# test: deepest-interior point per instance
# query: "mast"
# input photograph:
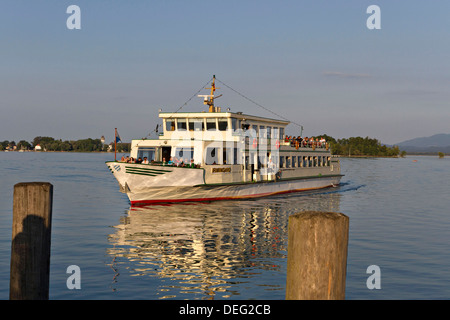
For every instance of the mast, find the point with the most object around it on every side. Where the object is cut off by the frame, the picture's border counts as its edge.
(115, 143)
(208, 99)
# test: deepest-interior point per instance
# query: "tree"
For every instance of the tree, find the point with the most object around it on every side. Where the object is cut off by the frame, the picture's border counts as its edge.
(359, 146)
(4, 144)
(24, 145)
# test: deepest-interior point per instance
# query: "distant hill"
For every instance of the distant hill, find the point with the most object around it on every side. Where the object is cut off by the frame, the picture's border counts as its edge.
(433, 144)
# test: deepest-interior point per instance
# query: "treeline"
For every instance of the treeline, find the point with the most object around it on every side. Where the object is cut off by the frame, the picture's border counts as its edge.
(51, 144)
(354, 146)
(358, 146)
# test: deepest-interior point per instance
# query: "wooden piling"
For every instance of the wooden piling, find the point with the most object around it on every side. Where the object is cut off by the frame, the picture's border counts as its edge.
(31, 238)
(317, 256)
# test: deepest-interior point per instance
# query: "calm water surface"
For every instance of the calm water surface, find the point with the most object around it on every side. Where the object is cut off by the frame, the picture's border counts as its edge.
(399, 220)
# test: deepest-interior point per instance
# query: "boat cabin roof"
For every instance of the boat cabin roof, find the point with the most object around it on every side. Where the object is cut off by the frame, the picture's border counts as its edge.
(235, 115)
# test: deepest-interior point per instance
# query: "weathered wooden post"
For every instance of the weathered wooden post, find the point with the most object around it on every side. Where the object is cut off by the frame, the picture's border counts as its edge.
(31, 237)
(317, 256)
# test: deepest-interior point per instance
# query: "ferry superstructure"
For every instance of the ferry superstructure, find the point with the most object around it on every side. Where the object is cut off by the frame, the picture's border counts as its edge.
(216, 155)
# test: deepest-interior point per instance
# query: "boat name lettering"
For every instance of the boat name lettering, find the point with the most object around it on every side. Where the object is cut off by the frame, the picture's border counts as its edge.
(217, 170)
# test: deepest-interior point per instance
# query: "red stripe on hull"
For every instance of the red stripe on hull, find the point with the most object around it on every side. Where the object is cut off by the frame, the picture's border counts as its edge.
(259, 195)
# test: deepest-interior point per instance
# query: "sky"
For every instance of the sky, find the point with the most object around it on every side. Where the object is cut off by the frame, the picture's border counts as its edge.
(313, 62)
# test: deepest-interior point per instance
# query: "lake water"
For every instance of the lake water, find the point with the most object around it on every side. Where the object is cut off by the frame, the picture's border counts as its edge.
(399, 221)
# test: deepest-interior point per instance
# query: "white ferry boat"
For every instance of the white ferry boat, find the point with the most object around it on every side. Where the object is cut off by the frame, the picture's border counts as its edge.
(216, 155)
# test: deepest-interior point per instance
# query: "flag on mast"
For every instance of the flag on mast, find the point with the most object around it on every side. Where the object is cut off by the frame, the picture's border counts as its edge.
(116, 139)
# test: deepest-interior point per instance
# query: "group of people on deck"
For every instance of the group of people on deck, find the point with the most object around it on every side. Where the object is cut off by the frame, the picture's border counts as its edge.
(306, 142)
(128, 159)
(174, 161)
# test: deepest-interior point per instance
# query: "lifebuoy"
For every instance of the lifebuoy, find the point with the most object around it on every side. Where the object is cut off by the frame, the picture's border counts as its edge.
(277, 144)
(255, 143)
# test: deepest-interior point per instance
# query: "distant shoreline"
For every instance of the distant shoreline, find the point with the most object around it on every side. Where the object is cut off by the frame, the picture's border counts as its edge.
(433, 154)
(33, 151)
(406, 155)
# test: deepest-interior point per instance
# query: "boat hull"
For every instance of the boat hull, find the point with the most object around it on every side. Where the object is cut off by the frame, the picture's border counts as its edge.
(230, 191)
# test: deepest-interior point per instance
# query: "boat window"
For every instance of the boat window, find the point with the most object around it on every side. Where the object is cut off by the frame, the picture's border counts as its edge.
(196, 124)
(146, 152)
(255, 128)
(184, 154)
(274, 133)
(262, 132)
(181, 124)
(170, 124)
(281, 133)
(269, 132)
(233, 124)
(236, 160)
(294, 161)
(210, 124)
(282, 164)
(288, 162)
(212, 155)
(223, 124)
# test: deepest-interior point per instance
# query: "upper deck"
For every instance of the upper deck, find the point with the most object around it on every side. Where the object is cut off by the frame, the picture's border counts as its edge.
(218, 126)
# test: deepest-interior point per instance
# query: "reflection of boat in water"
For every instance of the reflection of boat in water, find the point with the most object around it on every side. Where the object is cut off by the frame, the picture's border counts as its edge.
(208, 250)
(217, 155)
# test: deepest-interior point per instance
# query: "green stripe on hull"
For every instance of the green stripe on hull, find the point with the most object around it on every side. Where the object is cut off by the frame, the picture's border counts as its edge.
(142, 174)
(144, 171)
(147, 170)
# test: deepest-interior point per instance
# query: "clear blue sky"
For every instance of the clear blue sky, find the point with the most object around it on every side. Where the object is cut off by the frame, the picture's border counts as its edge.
(314, 62)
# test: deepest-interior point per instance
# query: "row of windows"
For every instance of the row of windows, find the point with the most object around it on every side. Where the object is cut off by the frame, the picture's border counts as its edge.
(304, 161)
(221, 124)
(196, 124)
(232, 155)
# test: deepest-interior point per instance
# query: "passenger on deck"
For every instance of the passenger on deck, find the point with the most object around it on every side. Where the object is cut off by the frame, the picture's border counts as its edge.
(170, 161)
(305, 142)
(145, 161)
